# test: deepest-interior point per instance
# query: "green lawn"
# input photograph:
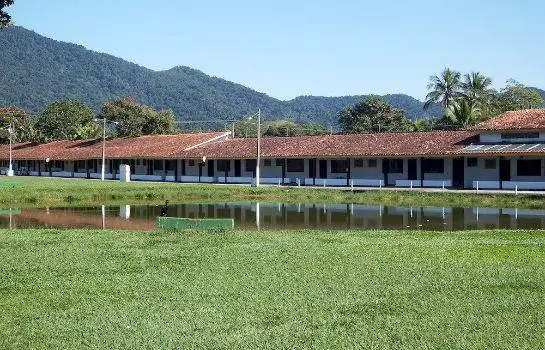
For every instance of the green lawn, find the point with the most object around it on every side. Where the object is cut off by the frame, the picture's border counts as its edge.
(301, 289)
(35, 191)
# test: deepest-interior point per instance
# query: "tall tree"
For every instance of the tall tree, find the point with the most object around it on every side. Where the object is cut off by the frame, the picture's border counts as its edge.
(476, 87)
(23, 126)
(372, 115)
(135, 119)
(444, 88)
(5, 18)
(67, 120)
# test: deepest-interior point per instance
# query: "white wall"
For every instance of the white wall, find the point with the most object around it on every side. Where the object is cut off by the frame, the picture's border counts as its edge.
(479, 173)
(366, 172)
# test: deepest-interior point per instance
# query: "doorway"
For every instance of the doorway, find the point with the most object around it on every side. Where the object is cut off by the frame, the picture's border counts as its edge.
(458, 172)
(323, 169)
(411, 170)
(210, 167)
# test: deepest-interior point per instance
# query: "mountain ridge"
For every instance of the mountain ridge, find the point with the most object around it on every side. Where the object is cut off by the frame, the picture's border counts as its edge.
(38, 70)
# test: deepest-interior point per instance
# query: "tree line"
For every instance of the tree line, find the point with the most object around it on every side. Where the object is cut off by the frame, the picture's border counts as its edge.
(465, 101)
(72, 120)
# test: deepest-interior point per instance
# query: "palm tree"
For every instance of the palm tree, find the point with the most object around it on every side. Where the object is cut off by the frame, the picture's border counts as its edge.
(463, 113)
(444, 88)
(476, 87)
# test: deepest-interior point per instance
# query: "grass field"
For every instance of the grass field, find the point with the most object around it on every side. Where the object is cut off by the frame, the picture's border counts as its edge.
(35, 191)
(305, 289)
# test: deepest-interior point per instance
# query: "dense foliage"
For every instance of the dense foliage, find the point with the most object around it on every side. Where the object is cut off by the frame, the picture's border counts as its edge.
(5, 18)
(38, 71)
(372, 115)
(67, 120)
(134, 119)
(16, 119)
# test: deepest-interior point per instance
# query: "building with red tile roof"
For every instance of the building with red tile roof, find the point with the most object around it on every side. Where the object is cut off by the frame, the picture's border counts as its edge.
(505, 152)
(526, 119)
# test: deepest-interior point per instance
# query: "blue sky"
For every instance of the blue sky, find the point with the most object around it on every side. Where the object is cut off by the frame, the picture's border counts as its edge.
(292, 48)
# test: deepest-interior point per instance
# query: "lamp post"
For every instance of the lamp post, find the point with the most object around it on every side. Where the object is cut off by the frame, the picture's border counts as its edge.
(104, 121)
(10, 170)
(257, 168)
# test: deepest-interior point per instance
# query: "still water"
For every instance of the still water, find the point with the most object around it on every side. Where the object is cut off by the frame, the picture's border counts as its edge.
(279, 216)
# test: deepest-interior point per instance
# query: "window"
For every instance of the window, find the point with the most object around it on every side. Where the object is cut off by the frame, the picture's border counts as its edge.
(144, 162)
(224, 165)
(250, 165)
(395, 166)
(191, 162)
(296, 165)
(138, 162)
(170, 164)
(267, 162)
(433, 166)
(338, 166)
(520, 135)
(529, 167)
(358, 163)
(279, 162)
(158, 164)
(490, 164)
(372, 163)
(471, 162)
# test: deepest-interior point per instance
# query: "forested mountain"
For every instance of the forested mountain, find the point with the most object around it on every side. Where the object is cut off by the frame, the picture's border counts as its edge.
(36, 70)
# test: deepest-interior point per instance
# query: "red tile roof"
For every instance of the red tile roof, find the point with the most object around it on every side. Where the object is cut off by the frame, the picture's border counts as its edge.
(527, 119)
(150, 146)
(379, 144)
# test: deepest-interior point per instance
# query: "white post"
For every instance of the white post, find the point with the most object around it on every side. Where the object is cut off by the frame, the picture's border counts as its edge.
(516, 189)
(380, 183)
(257, 216)
(10, 170)
(352, 185)
(477, 186)
(443, 185)
(257, 172)
(411, 184)
(103, 149)
(103, 217)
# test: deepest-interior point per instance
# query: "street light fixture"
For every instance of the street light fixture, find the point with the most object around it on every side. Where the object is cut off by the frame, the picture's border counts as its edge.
(104, 121)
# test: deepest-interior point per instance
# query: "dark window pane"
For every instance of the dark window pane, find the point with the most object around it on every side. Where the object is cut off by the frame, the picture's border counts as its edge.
(529, 167)
(520, 135)
(471, 162)
(224, 165)
(433, 166)
(338, 166)
(250, 165)
(395, 166)
(296, 165)
(490, 164)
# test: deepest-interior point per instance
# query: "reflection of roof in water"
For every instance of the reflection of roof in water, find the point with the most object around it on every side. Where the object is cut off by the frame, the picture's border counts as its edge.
(73, 218)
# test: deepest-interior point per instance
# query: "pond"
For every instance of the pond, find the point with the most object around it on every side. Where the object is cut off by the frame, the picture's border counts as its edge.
(278, 216)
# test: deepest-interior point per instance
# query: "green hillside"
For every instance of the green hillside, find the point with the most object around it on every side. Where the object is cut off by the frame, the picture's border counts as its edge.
(37, 70)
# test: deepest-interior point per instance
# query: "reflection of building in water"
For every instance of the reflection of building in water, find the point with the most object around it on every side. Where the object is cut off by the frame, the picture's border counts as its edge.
(284, 216)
